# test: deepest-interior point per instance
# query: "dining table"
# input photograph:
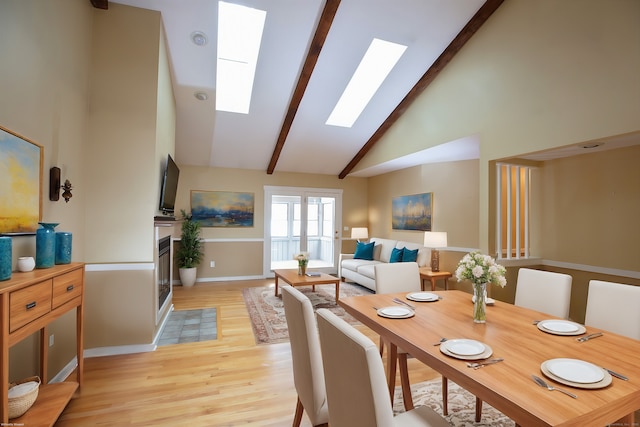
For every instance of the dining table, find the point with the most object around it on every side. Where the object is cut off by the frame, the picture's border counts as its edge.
(516, 335)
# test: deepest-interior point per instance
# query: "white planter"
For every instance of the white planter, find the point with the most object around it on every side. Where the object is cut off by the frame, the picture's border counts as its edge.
(188, 276)
(26, 263)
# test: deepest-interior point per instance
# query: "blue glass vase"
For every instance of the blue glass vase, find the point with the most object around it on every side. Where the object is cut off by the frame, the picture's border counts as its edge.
(5, 258)
(45, 245)
(63, 247)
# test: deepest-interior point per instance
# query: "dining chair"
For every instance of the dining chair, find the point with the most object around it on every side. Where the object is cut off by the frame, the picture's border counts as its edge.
(539, 290)
(544, 291)
(355, 380)
(390, 278)
(614, 307)
(308, 375)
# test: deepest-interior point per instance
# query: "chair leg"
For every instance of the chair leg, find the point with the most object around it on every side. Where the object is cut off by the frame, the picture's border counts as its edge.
(392, 358)
(478, 409)
(297, 419)
(381, 346)
(445, 396)
(404, 380)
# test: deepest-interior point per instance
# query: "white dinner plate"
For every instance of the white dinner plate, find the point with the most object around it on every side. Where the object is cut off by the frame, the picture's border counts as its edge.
(422, 296)
(464, 347)
(561, 327)
(606, 380)
(488, 351)
(487, 300)
(396, 312)
(575, 371)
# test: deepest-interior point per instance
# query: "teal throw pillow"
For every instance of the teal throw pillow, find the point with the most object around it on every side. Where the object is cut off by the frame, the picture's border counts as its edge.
(396, 255)
(364, 251)
(409, 256)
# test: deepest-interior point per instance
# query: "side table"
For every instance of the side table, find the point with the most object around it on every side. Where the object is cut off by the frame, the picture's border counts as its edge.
(433, 276)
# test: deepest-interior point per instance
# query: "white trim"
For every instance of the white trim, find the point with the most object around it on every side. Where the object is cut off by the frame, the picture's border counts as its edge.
(65, 371)
(118, 350)
(120, 267)
(164, 322)
(593, 269)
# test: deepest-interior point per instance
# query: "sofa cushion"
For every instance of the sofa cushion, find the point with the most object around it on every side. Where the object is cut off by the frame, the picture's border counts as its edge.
(386, 246)
(409, 255)
(364, 251)
(354, 264)
(368, 270)
(396, 255)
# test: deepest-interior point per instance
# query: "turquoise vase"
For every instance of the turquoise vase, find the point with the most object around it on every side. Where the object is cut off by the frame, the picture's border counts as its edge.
(63, 247)
(5, 258)
(45, 245)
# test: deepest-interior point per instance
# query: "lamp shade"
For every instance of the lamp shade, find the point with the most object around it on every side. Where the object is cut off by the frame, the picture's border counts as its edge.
(435, 239)
(359, 233)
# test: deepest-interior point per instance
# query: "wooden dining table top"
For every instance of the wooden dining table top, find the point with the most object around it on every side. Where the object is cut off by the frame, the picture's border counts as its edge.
(511, 334)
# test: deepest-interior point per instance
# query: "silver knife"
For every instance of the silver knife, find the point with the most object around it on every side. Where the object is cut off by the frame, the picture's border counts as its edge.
(617, 375)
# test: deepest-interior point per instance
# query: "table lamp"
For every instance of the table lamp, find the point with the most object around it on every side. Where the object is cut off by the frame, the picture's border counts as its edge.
(360, 233)
(434, 240)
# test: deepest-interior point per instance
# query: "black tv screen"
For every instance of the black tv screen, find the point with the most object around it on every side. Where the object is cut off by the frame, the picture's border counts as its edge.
(169, 187)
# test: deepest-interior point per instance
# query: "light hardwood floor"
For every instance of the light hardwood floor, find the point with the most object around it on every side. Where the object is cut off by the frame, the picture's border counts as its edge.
(227, 382)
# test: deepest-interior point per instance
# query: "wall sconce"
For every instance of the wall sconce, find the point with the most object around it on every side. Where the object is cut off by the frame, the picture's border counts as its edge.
(433, 240)
(54, 186)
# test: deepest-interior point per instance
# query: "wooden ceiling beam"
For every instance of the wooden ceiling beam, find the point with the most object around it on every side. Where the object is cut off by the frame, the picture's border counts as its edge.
(326, 19)
(100, 4)
(447, 55)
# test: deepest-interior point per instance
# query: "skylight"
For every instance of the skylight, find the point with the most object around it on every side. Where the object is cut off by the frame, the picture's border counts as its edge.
(239, 36)
(375, 66)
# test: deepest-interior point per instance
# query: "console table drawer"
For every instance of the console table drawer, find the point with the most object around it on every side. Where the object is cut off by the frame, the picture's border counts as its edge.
(28, 304)
(66, 287)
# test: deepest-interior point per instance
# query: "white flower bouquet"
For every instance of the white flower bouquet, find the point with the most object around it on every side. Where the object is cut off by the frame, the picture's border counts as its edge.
(479, 268)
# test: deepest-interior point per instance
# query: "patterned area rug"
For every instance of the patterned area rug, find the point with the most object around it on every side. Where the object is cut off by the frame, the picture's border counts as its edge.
(462, 405)
(267, 311)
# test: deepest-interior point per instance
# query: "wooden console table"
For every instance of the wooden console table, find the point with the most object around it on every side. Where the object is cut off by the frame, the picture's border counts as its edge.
(28, 303)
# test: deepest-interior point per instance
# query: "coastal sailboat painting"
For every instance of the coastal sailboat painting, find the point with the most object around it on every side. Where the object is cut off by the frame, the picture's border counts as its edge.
(412, 212)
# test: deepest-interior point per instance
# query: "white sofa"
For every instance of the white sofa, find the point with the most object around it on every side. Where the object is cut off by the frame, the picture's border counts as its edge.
(362, 271)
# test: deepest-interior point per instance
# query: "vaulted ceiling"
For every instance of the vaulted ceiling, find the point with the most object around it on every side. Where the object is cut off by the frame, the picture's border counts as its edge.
(309, 51)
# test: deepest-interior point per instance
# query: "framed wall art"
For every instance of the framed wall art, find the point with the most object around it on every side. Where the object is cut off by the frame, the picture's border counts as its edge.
(222, 208)
(412, 212)
(21, 184)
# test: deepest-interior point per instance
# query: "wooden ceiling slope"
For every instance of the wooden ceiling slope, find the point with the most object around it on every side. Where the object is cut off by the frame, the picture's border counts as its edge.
(328, 13)
(447, 55)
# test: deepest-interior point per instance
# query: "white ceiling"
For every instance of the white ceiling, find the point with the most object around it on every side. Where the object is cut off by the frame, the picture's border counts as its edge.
(205, 137)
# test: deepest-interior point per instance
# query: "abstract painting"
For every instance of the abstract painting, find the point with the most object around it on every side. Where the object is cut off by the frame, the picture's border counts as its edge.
(21, 183)
(222, 208)
(412, 212)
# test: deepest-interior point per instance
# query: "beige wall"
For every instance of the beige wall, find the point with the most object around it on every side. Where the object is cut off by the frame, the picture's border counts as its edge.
(244, 259)
(538, 75)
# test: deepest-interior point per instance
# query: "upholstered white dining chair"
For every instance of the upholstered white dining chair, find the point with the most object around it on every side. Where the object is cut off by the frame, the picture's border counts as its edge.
(355, 380)
(308, 375)
(544, 291)
(614, 307)
(390, 278)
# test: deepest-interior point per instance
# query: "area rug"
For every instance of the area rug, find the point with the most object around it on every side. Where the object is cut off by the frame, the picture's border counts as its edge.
(190, 326)
(462, 405)
(267, 311)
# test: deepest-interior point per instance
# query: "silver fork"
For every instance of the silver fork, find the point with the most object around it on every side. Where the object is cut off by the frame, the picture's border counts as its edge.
(543, 383)
(478, 365)
(588, 337)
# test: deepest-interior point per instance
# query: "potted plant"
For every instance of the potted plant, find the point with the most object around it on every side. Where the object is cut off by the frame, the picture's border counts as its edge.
(190, 253)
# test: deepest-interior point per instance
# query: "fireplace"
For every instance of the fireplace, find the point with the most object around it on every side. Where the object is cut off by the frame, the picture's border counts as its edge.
(164, 271)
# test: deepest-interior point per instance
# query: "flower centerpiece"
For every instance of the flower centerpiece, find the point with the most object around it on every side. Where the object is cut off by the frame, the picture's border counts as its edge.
(480, 270)
(303, 260)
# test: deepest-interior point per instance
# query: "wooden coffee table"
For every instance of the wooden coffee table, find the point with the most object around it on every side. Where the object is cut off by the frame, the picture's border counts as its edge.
(291, 277)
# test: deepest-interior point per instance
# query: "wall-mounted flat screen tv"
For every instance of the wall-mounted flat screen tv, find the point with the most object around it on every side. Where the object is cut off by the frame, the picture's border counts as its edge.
(169, 187)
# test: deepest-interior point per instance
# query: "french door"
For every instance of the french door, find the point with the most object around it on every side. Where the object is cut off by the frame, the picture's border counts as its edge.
(302, 220)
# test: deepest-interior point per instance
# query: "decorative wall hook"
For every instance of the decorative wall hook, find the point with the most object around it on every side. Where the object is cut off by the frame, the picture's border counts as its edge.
(54, 186)
(66, 194)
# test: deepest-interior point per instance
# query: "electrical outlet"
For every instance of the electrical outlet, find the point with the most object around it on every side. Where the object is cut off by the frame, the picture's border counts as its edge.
(212, 264)
(51, 340)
